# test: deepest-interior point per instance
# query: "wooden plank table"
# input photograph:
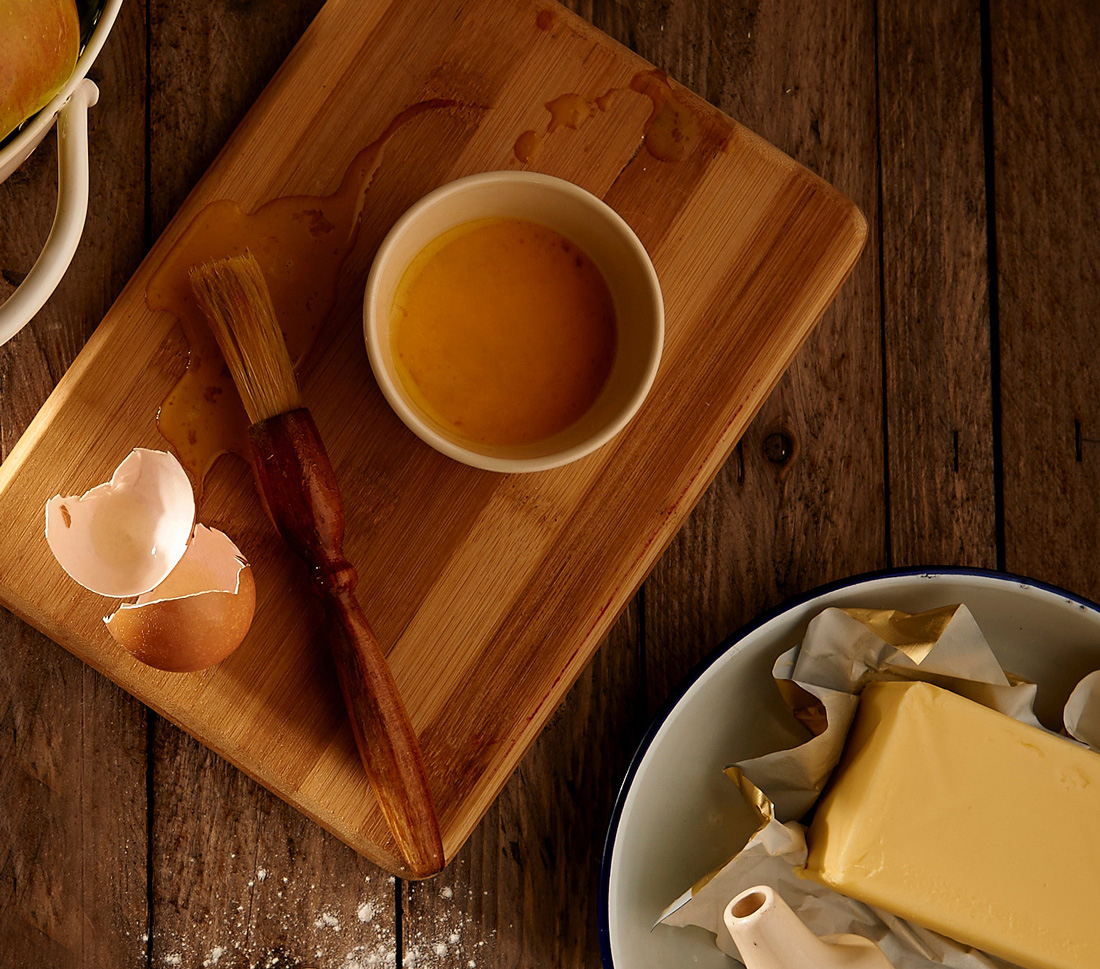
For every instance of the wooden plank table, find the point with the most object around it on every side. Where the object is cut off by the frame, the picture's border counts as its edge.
(944, 412)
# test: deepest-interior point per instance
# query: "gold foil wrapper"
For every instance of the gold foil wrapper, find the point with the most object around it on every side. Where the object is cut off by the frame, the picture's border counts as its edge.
(913, 633)
(756, 799)
(808, 710)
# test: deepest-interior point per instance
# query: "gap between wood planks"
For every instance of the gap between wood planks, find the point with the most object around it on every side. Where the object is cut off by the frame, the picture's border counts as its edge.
(986, 33)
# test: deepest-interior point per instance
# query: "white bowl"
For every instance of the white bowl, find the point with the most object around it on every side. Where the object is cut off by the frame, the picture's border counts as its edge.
(677, 816)
(70, 108)
(579, 216)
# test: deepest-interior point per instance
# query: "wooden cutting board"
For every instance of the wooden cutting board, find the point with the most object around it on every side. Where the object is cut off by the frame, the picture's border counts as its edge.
(489, 592)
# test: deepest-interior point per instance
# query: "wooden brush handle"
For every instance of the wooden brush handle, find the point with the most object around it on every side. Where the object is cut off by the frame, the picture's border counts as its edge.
(300, 491)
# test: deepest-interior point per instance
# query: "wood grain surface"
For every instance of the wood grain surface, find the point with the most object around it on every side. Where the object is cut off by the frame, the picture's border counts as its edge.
(972, 313)
(488, 592)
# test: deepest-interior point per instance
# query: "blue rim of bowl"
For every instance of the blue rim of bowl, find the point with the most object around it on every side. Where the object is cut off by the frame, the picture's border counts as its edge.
(603, 914)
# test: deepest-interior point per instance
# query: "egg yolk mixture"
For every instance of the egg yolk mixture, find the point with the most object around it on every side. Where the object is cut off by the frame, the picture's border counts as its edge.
(503, 332)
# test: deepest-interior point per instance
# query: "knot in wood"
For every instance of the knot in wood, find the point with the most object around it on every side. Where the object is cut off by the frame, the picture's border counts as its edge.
(779, 447)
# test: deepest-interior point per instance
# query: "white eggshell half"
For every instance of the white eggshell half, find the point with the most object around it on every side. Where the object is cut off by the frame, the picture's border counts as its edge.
(124, 537)
(195, 617)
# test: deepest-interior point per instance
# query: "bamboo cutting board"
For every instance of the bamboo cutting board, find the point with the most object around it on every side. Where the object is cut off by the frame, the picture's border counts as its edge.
(489, 592)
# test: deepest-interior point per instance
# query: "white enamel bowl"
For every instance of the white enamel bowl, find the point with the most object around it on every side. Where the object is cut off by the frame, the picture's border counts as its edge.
(677, 816)
(70, 109)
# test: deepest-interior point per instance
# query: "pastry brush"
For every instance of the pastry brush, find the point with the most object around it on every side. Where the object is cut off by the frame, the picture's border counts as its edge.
(300, 492)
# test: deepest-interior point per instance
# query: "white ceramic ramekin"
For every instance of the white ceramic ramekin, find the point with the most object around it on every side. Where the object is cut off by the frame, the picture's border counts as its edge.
(70, 108)
(579, 216)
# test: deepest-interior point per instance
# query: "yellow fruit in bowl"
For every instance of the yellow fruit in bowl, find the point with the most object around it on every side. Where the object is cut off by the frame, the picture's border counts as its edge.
(39, 43)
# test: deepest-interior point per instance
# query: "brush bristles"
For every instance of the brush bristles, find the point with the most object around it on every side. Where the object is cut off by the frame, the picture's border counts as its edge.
(233, 295)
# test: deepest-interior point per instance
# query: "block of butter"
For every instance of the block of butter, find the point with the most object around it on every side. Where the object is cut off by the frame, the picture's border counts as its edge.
(967, 822)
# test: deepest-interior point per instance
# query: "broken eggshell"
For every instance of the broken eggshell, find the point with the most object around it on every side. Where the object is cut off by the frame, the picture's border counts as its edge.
(136, 536)
(195, 617)
(122, 538)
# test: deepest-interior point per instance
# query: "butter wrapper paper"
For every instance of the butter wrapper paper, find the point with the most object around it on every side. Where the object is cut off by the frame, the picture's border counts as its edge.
(842, 651)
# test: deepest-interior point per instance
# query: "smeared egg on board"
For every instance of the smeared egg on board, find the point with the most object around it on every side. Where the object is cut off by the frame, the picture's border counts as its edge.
(136, 535)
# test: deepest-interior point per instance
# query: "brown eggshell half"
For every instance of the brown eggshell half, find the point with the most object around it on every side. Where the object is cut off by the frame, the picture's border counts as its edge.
(198, 615)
